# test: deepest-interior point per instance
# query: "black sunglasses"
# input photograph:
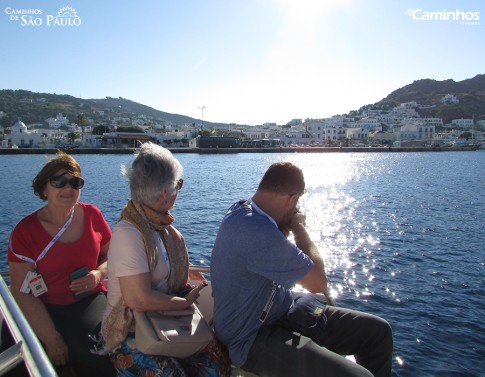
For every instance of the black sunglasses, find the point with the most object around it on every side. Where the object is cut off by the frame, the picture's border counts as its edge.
(59, 181)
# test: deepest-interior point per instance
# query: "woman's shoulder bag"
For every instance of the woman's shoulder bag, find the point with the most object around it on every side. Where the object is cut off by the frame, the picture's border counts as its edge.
(180, 333)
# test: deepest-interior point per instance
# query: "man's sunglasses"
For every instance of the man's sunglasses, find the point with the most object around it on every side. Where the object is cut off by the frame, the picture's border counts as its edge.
(59, 181)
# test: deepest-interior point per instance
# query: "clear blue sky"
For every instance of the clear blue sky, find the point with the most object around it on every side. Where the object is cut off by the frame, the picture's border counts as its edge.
(246, 61)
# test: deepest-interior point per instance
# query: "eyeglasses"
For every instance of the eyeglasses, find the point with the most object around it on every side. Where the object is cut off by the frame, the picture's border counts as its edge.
(180, 184)
(59, 181)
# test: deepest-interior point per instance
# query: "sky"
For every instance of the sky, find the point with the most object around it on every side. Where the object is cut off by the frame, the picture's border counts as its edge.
(239, 61)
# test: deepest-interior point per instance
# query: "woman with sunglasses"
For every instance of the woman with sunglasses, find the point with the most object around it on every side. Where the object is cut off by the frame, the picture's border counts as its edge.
(149, 269)
(58, 261)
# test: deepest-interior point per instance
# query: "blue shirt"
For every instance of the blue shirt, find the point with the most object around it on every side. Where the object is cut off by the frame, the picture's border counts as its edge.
(249, 254)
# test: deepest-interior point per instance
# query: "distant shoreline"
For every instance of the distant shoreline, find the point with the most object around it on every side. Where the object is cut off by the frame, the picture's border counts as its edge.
(11, 151)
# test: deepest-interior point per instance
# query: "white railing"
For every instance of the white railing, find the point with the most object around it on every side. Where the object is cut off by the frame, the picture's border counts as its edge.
(27, 348)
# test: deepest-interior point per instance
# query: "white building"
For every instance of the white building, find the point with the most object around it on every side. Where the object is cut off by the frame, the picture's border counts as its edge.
(335, 134)
(257, 133)
(449, 99)
(462, 123)
(316, 127)
(369, 123)
(416, 131)
(436, 122)
(58, 121)
(20, 136)
(358, 133)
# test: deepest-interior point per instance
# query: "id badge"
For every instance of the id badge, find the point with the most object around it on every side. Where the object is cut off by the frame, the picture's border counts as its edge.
(25, 288)
(38, 286)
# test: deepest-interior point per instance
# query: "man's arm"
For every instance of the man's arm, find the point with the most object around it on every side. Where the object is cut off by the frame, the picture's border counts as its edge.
(316, 279)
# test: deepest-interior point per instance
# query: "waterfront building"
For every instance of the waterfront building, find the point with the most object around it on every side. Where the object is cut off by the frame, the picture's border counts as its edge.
(416, 130)
(216, 142)
(19, 135)
(315, 130)
(257, 133)
(359, 134)
(380, 137)
(123, 139)
(335, 135)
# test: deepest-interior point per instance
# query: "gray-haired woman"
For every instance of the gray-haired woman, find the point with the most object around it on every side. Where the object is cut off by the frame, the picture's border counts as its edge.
(147, 265)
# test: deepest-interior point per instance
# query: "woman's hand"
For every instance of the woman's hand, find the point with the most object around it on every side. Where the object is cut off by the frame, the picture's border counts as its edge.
(57, 350)
(86, 283)
(194, 294)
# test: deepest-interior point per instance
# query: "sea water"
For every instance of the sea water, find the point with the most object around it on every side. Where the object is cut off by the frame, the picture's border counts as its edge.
(402, 234)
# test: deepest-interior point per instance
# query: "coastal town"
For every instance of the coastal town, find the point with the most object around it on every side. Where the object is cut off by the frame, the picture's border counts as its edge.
(400, 126)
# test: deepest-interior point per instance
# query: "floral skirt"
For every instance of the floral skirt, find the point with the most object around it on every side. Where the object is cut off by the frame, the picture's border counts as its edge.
(212, 361)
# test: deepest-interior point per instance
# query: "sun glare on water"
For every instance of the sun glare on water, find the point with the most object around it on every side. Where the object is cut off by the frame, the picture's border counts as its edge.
(330, 208)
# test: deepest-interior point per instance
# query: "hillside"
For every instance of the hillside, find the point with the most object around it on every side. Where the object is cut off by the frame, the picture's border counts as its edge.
(33, 107)
(470, 92)
(137, 108)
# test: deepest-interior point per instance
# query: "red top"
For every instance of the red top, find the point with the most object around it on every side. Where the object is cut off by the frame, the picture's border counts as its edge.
(29, 238)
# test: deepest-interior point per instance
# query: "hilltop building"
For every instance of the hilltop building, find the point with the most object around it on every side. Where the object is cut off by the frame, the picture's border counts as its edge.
(449, 99)
(58, 121)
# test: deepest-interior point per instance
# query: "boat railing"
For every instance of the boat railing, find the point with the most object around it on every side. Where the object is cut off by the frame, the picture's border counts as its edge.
(27, 347)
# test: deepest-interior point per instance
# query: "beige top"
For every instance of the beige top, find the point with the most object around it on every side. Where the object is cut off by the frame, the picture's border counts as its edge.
(127, 257)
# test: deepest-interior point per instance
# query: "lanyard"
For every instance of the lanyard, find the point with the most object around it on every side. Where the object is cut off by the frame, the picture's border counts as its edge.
(49, 245)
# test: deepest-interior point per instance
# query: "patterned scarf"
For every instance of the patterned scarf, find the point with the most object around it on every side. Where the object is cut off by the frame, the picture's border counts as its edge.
(116, 325)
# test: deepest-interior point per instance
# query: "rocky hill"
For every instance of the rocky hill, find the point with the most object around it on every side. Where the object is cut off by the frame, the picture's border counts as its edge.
(470, 92)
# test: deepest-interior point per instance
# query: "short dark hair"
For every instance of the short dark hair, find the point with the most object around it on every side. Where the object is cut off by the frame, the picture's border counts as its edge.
(283, 178)
(62, 161)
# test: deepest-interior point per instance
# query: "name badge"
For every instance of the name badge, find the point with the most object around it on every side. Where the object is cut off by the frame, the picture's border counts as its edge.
(37, 285)
(25, 288)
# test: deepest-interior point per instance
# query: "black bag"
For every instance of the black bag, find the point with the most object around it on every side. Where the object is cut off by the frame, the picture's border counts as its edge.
(306, 316)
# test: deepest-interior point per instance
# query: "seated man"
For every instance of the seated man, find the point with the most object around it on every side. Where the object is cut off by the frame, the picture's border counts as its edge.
(254, 266)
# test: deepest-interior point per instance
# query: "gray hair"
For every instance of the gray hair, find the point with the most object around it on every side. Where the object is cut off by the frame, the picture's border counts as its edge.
(153, 170)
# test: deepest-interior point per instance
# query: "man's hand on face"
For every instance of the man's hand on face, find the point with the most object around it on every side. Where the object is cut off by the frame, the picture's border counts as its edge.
(297, 218)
